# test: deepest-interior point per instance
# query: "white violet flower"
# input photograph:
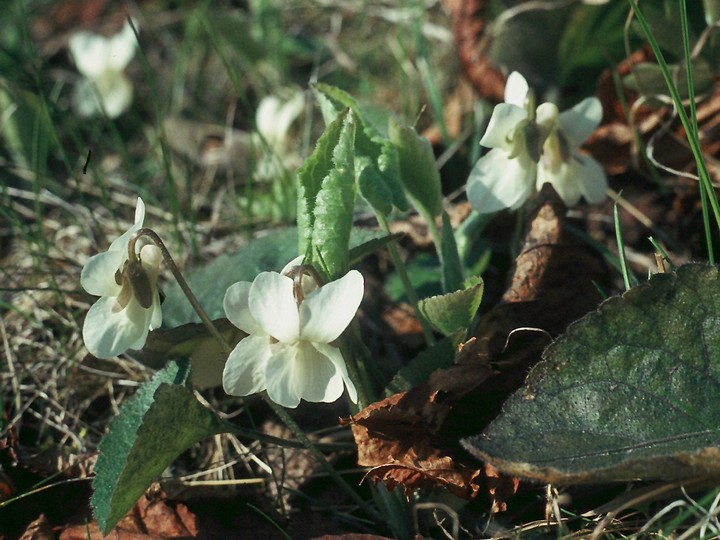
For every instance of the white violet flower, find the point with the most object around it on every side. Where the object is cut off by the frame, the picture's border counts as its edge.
(530, 147)
(101, 61)
(274, 118)
(289, 350)
(130, 302)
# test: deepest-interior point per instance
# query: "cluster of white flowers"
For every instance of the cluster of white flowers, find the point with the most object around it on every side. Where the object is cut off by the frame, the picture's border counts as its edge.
(292, 322)
(530, 147)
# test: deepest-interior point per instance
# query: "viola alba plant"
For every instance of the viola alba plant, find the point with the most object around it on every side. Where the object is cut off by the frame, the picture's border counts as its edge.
(291, 325)
(129, 306)
(530, 147)
(101, 61)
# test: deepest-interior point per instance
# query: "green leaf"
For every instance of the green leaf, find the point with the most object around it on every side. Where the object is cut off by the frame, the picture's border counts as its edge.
(453, 311)
(629, 391)
(418, 172)
(332, 215)
(451, 264)
(647, 78)
(209, 282)
(333, 101)
(372, 185)
(371, 246)
(376, 157)
(439, 356)
(193, 341)
(591, 35)
(311, 176)
(423, 271)
(25, 126)
(664, 20)
(162, 420)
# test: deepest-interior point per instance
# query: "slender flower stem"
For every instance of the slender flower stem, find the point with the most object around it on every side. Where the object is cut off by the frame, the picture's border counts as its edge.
(320, 457)
(407, 286)
(145, 231)
(349, 350)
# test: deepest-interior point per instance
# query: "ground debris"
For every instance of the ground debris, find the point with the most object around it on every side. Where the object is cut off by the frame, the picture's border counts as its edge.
(410, 438)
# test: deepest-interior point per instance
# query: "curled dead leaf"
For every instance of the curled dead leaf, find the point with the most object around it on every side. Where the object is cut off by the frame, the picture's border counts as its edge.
(410, 438)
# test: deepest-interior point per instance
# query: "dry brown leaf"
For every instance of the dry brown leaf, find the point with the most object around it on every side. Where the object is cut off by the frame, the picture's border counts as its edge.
(410, 439)
(39, 529)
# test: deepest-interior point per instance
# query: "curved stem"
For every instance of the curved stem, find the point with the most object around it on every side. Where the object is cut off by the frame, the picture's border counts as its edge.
(181, 281)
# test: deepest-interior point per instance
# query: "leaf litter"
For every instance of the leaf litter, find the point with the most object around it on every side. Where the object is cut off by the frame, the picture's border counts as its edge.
(410, 438)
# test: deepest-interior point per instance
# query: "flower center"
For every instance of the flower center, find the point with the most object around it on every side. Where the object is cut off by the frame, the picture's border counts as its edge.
(135, 284)
(556, 150)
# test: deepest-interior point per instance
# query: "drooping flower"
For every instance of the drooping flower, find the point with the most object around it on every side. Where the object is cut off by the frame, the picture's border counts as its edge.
(274, 118)
(289, 350)
(572, 173)
(129, 306)
(101, 61)
(530, 147)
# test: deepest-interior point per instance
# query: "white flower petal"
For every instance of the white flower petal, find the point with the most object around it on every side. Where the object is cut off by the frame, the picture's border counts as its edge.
(591, 177)
(244, 372)
(297, 261)
(280, 376)
(327, 311)
(151, 257)
(579, 122)
(496, 182)
(516, 89)
(89, 52)
(121, 47)
(581, 176)
(566, 186)
(237, 310)
(98, 275)
(139, 211)
(116, 93)
(501, 128)
(546, 115)
(93, 54)
(333, 353)
(156, 316)
(140, 318)
(274, 118)
(316, 376)
(273, 306)
(108, 332)
(86, 99)
(122, 241)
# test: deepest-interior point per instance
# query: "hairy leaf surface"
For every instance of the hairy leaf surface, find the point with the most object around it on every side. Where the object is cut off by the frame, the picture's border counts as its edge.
(630, 391)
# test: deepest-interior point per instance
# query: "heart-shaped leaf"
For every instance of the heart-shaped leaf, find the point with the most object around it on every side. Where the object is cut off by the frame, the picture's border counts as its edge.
(453, 311)
(418, 171)
(630, 391)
